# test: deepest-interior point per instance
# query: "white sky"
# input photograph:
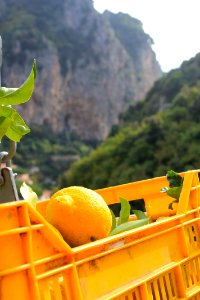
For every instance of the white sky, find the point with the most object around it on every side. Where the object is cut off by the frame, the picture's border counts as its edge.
(174, 26)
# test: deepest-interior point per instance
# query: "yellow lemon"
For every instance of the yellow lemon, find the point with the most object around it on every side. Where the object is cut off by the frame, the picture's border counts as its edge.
(80, 214)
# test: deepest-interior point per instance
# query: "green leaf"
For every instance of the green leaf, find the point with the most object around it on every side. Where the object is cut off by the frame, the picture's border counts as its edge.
(129, 225)
(174, 192)
(175, 186)
(174, 179)
(4, 124)
(14, 96)
(28, 194)
(114, 224)
(139, 214)
(11, 124)
(124, 212)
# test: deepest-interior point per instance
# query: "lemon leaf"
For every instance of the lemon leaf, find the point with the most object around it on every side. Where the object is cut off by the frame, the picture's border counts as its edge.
(124, 212)
(129, 225)
(174, 179)
(14, 96)
(139, 214)
(174, 192)
(11, 124)
(175, 185)
(28, 194)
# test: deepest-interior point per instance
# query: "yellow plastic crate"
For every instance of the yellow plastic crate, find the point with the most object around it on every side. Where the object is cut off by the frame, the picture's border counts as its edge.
(159, 261)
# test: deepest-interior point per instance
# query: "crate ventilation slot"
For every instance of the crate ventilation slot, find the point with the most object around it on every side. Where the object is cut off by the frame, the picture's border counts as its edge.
(163, 287)
(193, 237)
(131, 295)
(54, 289)
(191, 273)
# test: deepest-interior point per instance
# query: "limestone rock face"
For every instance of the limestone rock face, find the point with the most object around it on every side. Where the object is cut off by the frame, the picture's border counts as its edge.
(87, 72)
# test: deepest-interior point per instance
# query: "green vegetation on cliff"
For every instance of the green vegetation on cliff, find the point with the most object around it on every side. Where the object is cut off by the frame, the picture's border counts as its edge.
(35, 26)
(157, 134)
(44, 155)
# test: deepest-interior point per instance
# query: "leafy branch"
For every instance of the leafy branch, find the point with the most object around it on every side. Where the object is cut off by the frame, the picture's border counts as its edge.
(11, 123)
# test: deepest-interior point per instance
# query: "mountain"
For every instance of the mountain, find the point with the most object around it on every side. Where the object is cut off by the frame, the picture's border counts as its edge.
(155, 135)
(138, 44)
(91, 66)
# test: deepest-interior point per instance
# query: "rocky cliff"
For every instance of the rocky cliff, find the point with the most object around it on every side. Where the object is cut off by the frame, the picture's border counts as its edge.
(91, 67)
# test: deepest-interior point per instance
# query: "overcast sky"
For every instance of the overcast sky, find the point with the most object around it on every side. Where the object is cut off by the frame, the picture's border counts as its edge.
(174, 26)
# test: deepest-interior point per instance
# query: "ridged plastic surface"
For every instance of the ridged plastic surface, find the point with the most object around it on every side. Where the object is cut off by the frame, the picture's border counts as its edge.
(159, 261)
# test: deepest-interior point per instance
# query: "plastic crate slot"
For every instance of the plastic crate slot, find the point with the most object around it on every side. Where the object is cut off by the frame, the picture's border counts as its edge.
(193, 236)
(163, 287)
(54, 289)
(191, 272)
(198, 174)
(133, 294)
(135, 204)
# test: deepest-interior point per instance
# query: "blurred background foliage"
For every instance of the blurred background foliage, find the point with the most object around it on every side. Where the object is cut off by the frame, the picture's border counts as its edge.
(159, 133)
